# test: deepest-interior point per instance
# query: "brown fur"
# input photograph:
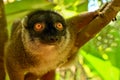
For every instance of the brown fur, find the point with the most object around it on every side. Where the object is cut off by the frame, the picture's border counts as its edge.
(36, 59)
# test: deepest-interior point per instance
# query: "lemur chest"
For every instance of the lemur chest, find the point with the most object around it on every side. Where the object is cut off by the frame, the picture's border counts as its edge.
(48, 59)
(51, 55)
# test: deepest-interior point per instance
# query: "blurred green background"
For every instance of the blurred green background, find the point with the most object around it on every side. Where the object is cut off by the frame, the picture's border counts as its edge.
(100, 57)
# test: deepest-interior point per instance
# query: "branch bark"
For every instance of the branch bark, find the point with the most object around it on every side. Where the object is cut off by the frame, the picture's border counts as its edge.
(98, 23)
(3, 38)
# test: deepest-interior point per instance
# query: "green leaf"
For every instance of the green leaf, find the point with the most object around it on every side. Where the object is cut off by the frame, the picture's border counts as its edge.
(66, 2)
(26, 5)
(103, 68)
(82, 7)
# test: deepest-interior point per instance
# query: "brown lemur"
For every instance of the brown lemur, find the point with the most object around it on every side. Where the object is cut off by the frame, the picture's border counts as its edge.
(40, 42)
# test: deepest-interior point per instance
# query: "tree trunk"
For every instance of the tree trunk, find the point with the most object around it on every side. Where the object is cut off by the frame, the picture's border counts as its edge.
(3, 38)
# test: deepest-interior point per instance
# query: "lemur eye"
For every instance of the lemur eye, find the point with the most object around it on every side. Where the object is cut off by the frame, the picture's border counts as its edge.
(59, 26)
(39, 26)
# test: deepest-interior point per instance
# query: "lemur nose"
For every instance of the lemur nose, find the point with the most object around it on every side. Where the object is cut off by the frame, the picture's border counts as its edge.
(54, 39)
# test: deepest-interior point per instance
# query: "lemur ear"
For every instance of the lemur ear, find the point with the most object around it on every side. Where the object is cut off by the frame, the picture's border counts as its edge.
(24, 21)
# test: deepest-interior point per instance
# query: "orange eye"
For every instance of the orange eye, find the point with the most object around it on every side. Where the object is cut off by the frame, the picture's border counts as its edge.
(39, 26)
(59, 26)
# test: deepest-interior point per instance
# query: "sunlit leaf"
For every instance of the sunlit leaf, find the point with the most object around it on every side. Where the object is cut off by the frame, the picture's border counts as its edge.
(104, 68)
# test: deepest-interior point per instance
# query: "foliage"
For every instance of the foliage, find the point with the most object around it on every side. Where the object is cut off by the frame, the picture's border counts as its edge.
(101, 55)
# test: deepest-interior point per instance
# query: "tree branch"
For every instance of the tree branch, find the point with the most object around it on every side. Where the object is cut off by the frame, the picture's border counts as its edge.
(98, 23)
(3, 38)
